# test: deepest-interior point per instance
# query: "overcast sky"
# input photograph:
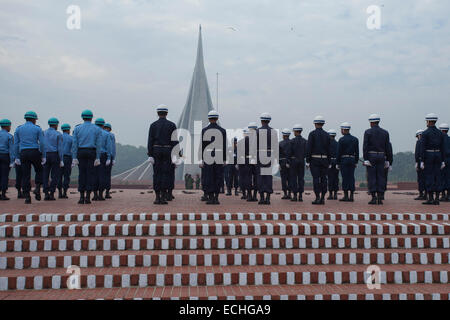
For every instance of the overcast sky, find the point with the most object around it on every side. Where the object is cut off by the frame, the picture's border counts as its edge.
(295, 59)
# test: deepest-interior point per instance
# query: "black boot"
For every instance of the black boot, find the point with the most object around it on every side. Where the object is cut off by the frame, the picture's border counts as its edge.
(244, 195)
(380, 197)
(210, 198)
(236, 193)
(19, 194)
(285, 197)
(255, 196)
(204, 197)
(374, 198)
(65, 194)
(216, 198)
(421, 196)
(322, 198)
(158, 198)
(352, 197)
(100, 195)
(60, 193)
(87, 200)
(27, 197)
(3, 197)
(261, 198)
(81, 201)
(52, 196)
(267, 200)
(164, 196)
(330, 197)
(300, 197)
(37, 192)
(335, 196)
(294, 198)
(171, 197)
(228, 192)
(95, 197)
(429, 199)
(447, 196)
(345, 198)
(436, 200)
(317, 201)
(47, 196)
(108, 194)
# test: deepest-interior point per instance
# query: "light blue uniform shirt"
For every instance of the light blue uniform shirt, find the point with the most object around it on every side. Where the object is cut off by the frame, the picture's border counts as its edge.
(54, 141)
(86, 135)
(29, 136)
(106, 144)
(67, 144)
(7, 144)
(113, 146)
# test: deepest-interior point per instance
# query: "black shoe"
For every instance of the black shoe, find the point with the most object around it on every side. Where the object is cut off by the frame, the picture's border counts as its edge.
(100, 196)
(352, 197)
(236, 193)
(381, 196)
(374, 199)
(261, 198)
(37, 194)
(204, 197)
(108, 195)
(300, 197)
(81, 201)
(430, 199)
(322, 198)
(228, 192)
(3, 196)
(52, 196)
(244, 195)
(317, 201)
(267, 201)
(158, 198)
(164, 197)
(436, 199)
(60, 194)
(65, 194)
(210, 199)
(294, 198)
(47, 196)
(95, 197)
(285, 196)
(330, 197)
(420, 197)
(335, 197)
(255, 196)
(27, 199)
(19, 194)
(345, 198)
(216, 199)
(87, 200)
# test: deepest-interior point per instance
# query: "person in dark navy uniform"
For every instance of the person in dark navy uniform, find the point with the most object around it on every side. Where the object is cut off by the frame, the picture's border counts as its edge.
(231, 170)
(160, 146)
(86, 151)
(285, 155)
(420, 173)
(376, 151)
(390, 159)
(213, 157)
(333, 172)
(6, 156)
(29, 143)
(265, 156)
(432, 153)
(318, 158)
(445, 189)
(347, 161)
(253, 162)
(66, 170)
(54, 150)
(243, 164)
(297, 164)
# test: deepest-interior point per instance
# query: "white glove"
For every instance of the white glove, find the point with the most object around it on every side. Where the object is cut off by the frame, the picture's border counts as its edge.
(179, 162)
(174, 159)
(152, 160)
(338, 167)
(422, 165)
(12, 165)
(417, 166)
(61, 164)
(367, 163)
(386, 164)
(307, 165)
(113, 162)
(329, 167)
(201, 165)
(44, 161)
(17, 162)
(442, 165)
(237, 167)
(288, 165)
(108, 162)
(96, 162)
(390, 168)
(74, 162)
(253, 161)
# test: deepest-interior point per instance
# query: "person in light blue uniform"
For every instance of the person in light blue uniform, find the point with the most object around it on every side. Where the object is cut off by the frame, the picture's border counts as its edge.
(6, 156)
(101, 171)
(86, 152)
(30, 150)
(54, 150)
(445, 189)
(66, 170)
(347, 161)
(432, 153)
(108, 128)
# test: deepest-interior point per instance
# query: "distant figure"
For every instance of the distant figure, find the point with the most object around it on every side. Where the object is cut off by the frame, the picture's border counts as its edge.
(420, 172)
(54, 150)
(108, 128)
(446, 171)
(253, 163)
(66, 170)
(333, 172)
(297, 164)
(197, 182)
(285, 154)
(264, 136)
(347, 161)
(232, 170)
(6, 156)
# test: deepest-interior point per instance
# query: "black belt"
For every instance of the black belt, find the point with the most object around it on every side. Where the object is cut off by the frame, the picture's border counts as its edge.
(347, 156)
(319, 156)
(166, 146)
(375, 152)
(433, 150)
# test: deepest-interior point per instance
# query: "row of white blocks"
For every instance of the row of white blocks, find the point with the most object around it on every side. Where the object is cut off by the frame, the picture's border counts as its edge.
(53, 217)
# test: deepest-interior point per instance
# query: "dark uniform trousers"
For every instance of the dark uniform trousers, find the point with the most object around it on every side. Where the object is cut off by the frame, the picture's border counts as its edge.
(254, 176)
(446, 175)
(421, 179)
(86, 178)
(28, 158)
(297, 176)
(172, 177)
(162, 176)
(65, 172)
(376, 174)
(231, 176)
(433, 161)
(19, 177)
(284, 173)
(51, 167)
(108, 176)
(244, 177)
(4, 171)
(264, 182)
(319, 169)
(101, 174)
(348, 174)
(333, 178)
(213, 177)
